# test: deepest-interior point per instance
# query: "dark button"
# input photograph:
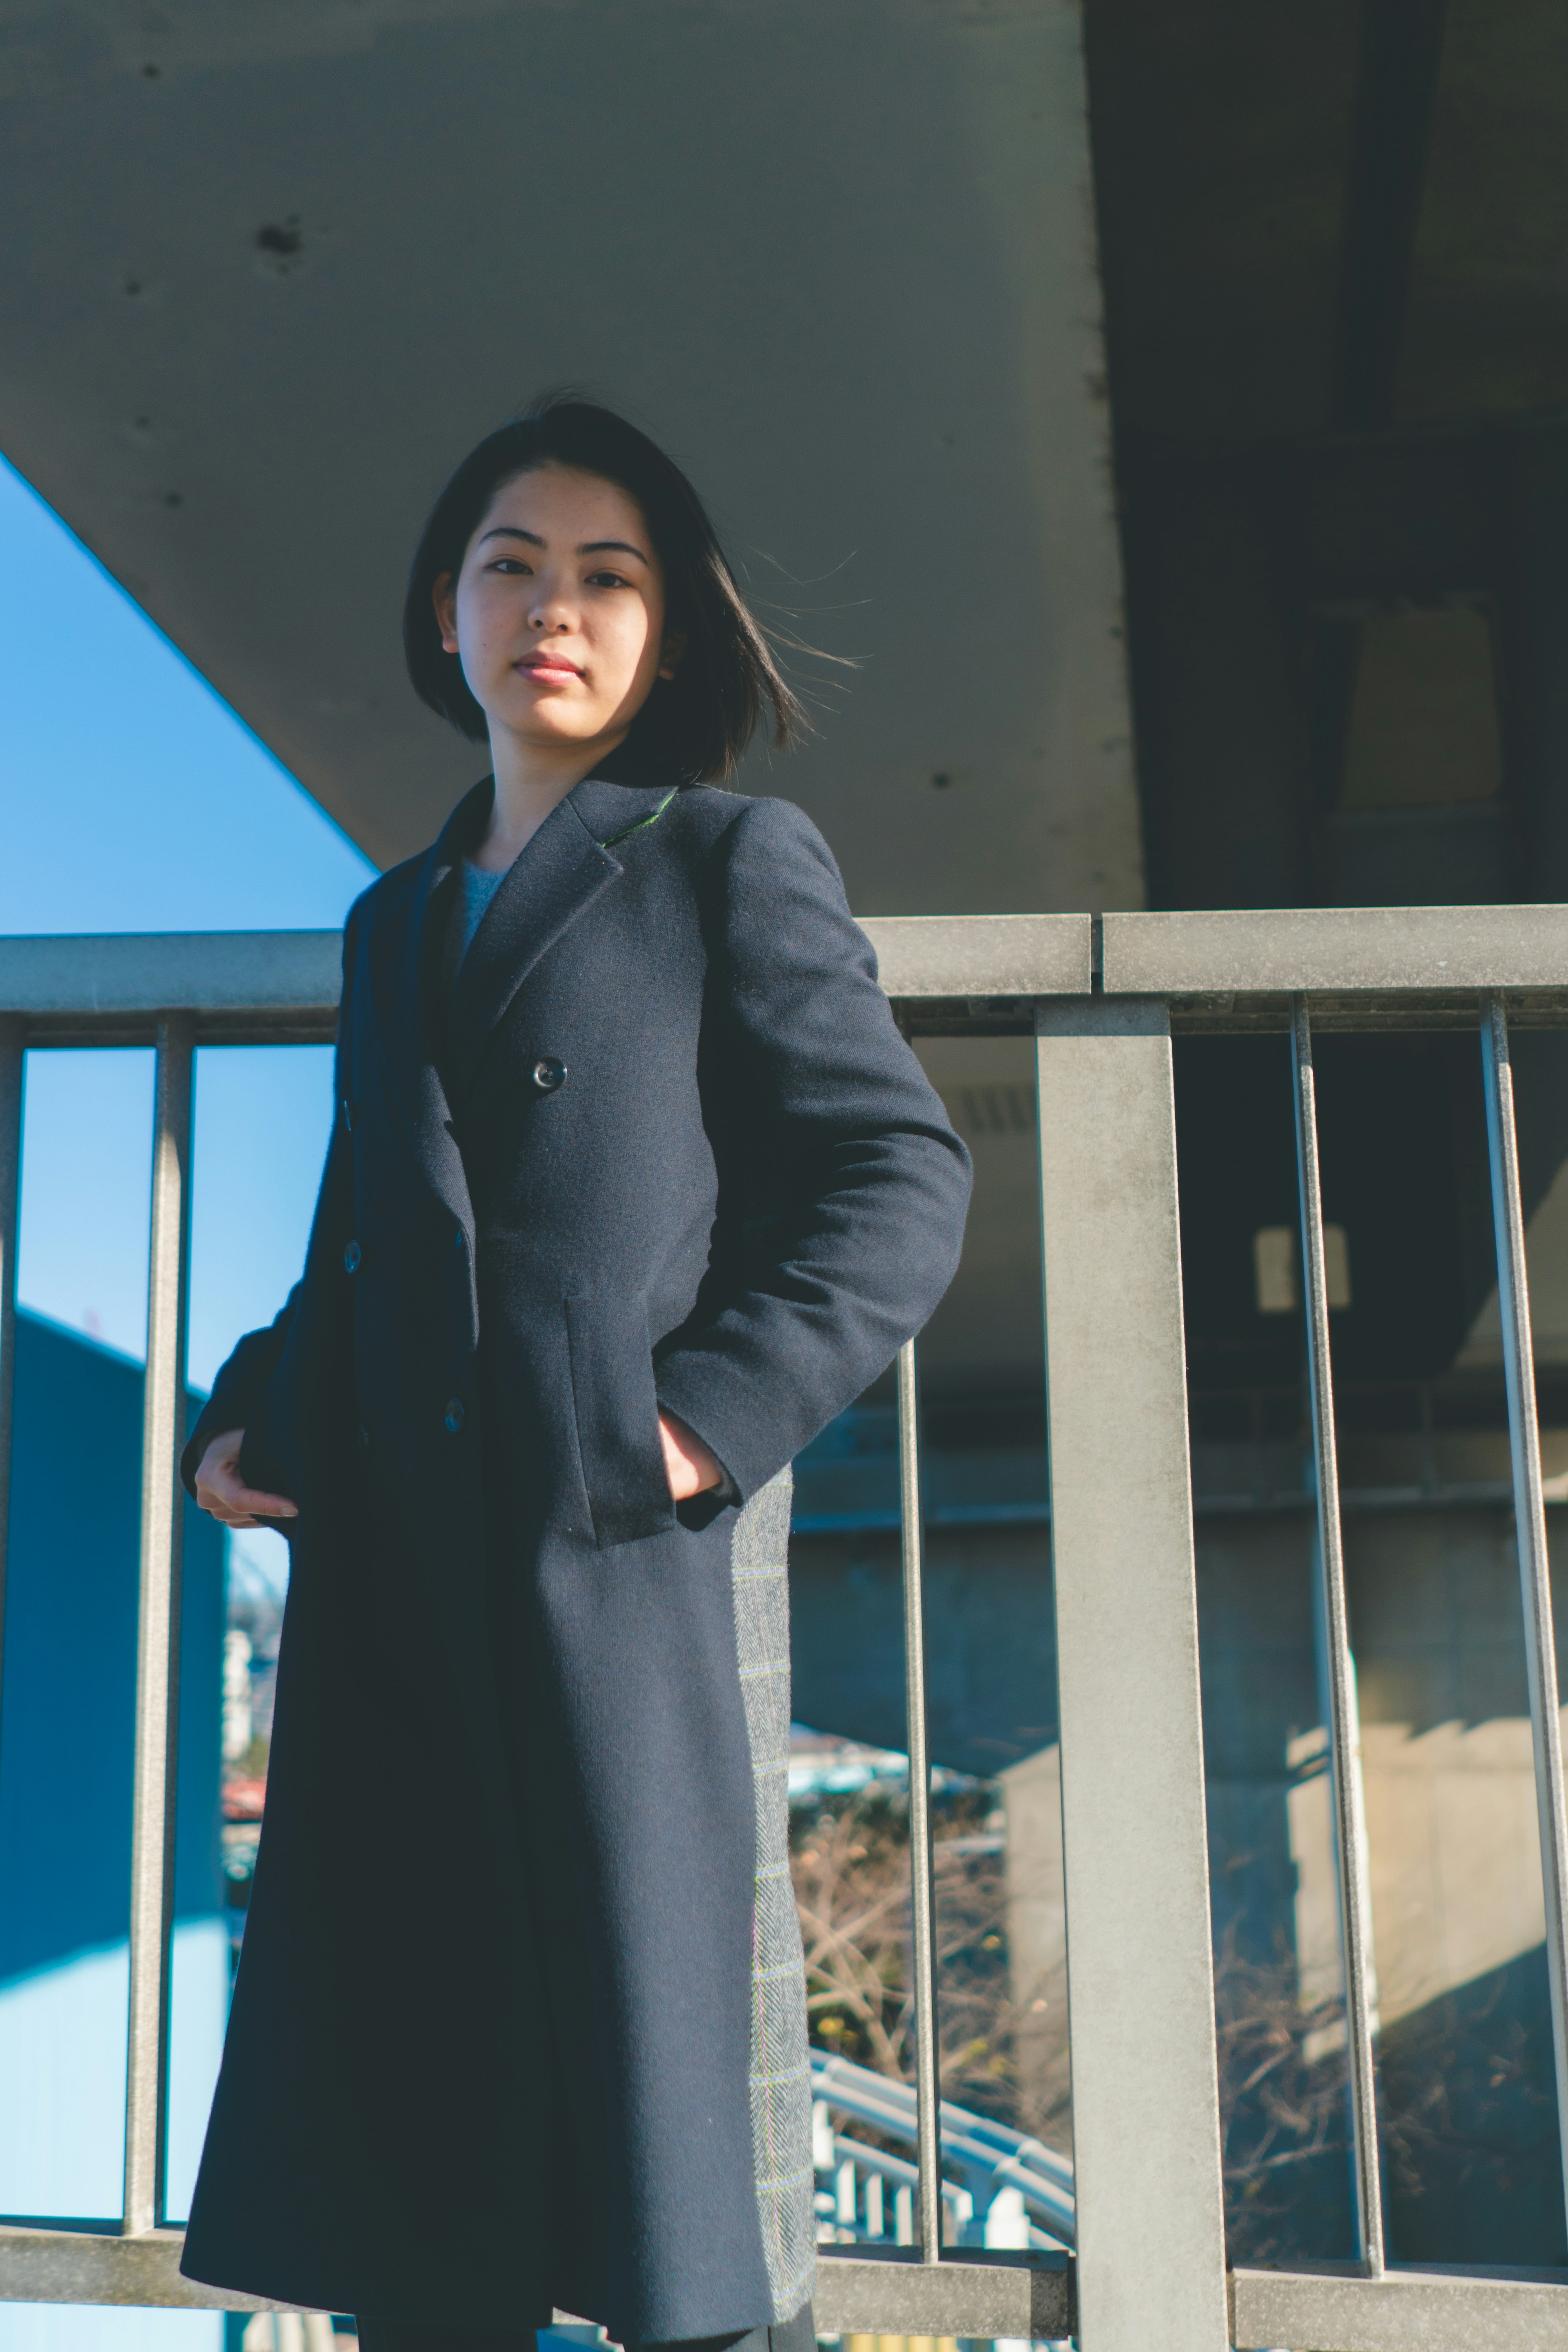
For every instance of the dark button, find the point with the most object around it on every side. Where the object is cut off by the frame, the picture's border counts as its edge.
(348, 1117)
(453, 1416)
(549, 1073)
(459, 1238)
(363, 1438)
(352, 1257)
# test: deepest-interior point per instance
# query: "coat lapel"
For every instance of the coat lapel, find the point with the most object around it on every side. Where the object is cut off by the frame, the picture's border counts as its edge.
(433, 1057)
(567, 864)
(401, 948)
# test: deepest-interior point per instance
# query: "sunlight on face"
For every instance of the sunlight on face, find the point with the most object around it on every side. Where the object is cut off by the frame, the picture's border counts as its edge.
(558, 613)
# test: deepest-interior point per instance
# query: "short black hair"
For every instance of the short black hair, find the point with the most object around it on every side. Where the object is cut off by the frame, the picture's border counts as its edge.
(697, 723)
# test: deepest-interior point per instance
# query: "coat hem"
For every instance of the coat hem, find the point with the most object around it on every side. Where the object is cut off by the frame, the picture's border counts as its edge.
(514, 2312)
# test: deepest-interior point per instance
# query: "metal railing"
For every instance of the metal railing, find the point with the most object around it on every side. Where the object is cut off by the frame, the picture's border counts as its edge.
(1101, 998)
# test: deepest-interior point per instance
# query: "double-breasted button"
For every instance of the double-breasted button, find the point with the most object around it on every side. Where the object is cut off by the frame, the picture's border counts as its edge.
(352, 1258)
(453, 1416)
(549, 1072)
(348, 1116)
(363, 1439)
(459, 1239)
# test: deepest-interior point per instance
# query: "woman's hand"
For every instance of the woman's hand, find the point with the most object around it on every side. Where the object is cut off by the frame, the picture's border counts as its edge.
(688, 1464)
(223, 1494)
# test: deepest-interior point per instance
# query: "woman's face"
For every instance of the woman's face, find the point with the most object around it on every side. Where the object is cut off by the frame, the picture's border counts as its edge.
(558, 612)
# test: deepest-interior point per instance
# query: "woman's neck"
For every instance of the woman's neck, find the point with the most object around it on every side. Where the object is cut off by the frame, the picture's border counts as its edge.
(532, 779)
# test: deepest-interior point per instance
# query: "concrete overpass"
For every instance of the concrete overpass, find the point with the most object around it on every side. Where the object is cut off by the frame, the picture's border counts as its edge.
(271, 272)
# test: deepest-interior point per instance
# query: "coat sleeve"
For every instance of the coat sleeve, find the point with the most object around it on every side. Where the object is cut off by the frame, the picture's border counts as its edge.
(237, 1387)
(872, 1213)
(237, 1392)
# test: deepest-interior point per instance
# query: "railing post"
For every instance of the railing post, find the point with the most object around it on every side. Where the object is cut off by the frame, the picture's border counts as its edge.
(158, 1632)
(12, 1035)
(922, 1890)
(1529, 1528)
(1151, 2229)
(1350, 1852)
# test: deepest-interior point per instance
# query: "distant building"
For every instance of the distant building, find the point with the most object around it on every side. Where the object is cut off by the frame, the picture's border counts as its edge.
(67, 1715)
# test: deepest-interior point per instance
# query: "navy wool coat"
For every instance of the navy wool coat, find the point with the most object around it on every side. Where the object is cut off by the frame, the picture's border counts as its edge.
(521, 2019)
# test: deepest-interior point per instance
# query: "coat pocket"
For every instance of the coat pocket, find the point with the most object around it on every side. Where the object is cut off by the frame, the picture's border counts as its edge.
(616, 1412)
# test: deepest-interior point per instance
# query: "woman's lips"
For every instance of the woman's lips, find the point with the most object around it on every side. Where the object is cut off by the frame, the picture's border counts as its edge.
(548, 671)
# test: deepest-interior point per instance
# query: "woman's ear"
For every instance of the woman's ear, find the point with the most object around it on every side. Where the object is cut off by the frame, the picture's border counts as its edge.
(670, 652)
(444, 596)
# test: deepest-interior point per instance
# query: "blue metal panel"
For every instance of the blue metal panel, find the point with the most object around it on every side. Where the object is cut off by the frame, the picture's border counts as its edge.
(66, 1723)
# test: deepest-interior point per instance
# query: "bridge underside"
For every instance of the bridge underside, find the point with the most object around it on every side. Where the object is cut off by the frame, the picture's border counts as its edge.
(270, 272)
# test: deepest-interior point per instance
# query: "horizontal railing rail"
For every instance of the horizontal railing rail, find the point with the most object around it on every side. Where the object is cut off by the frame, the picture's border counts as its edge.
(1408, 965)
(1101, 997)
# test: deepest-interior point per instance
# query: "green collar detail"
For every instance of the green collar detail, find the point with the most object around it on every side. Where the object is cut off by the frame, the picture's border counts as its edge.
(652, 818)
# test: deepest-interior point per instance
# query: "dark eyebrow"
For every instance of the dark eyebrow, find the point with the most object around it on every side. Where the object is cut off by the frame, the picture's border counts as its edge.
(589, 547)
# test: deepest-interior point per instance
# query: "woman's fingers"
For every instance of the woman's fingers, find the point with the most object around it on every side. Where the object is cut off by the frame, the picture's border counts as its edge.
(223, 1494)
(261, 1507)
(245, 1508)
(689, 1466)
(245, 1504)
(238, 1497)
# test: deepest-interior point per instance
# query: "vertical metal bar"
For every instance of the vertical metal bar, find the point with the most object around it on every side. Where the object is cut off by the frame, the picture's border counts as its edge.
(158, 1632)
(928, 2095)
(12, 1035)
(1146, 2150)
(1339, 1676)
(1530, 1526)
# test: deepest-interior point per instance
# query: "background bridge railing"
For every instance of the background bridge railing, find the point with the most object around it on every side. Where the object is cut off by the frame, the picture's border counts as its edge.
(1101, 997)
(1010, 2190)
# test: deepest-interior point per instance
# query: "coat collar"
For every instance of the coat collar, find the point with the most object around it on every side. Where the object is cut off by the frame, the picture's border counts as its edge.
(398, 954)
(570, 860)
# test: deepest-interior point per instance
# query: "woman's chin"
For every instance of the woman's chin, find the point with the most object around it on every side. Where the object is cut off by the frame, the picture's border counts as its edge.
(550, 725)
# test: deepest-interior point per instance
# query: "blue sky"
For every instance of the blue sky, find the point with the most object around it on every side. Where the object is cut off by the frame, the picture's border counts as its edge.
(132, 799)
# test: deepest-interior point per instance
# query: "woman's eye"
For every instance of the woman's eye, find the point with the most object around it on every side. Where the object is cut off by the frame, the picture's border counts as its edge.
(511, 563)
(606, 580)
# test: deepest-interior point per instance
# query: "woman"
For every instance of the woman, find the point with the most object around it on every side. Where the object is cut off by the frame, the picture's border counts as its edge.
(633, 1186)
